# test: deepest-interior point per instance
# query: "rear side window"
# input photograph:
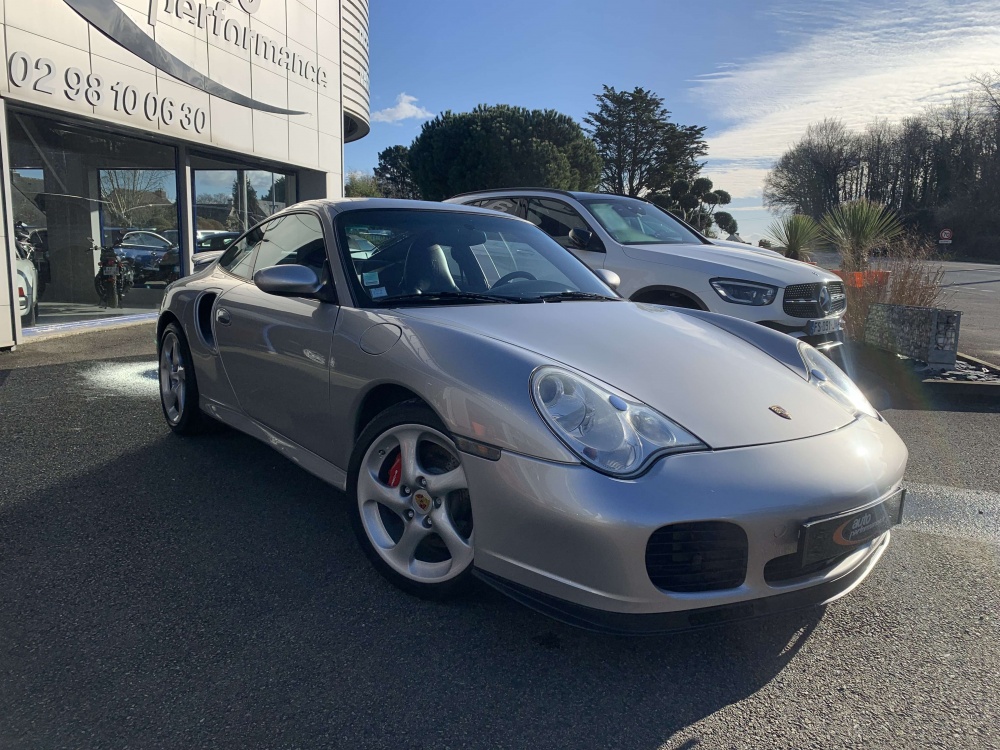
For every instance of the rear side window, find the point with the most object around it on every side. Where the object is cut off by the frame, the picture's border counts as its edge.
(555, 218)
(512, 206)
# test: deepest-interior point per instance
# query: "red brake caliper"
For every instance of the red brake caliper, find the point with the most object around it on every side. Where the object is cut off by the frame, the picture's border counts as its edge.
(396, 472)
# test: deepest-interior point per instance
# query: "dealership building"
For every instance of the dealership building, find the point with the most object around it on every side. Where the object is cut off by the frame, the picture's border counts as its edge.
(155, 125)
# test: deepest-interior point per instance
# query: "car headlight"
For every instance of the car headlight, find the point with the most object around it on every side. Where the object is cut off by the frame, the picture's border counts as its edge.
(744, 292)
(825, 375)
(609, 431)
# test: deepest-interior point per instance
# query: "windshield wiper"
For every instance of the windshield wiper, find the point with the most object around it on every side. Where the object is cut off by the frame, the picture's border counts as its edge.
(560, 296)
(433, 297)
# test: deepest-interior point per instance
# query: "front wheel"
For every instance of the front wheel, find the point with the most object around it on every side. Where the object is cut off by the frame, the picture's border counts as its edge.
(410, 504)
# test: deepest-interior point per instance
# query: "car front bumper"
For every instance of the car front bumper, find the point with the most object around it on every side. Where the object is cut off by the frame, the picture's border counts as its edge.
(572, 542)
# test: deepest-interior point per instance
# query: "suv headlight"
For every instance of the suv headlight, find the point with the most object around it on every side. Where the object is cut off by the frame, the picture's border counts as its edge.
(608, 431)
(744, 292)
(825, 375)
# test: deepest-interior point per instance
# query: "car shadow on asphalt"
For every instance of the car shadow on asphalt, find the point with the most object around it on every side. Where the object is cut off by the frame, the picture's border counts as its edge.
(207, 592)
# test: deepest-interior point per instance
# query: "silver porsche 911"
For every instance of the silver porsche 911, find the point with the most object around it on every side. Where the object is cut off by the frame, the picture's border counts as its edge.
(492, 408)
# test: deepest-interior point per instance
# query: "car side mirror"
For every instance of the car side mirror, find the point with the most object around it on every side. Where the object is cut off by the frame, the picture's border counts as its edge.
(610, 278)
(581, 238)
(288, 281)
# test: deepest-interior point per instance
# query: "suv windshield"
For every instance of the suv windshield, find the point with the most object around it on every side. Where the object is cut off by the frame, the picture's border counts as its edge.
(635, 222)
(402, 257)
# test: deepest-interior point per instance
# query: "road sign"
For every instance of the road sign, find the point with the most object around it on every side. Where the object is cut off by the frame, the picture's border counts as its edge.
(946, 235)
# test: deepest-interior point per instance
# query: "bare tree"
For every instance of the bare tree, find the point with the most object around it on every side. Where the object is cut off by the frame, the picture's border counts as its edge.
(134, 197)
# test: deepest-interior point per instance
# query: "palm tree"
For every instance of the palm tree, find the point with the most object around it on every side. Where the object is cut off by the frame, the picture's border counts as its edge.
(795, 235)
(856, 228)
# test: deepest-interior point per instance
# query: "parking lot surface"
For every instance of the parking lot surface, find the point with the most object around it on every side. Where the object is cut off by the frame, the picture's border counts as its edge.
(160, 592)
(974, 288)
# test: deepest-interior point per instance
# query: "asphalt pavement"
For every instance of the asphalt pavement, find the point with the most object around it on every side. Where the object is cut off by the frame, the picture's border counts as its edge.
(974, 288)
(159, 592)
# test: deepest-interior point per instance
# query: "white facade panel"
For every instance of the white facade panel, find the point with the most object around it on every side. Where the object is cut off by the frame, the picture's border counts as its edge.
(279, 84)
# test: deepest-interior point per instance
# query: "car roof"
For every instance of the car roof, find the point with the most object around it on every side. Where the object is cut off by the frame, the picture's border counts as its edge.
(342, 205)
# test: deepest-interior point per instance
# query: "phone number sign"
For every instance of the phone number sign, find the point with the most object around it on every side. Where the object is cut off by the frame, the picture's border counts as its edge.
(43, 76)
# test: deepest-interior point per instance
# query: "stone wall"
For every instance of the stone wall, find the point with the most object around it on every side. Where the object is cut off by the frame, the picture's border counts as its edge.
(928, 334)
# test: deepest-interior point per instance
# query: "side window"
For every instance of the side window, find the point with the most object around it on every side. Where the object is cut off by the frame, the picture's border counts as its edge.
(293, 239)
(555, 218)
(238, 259)
(507, 205)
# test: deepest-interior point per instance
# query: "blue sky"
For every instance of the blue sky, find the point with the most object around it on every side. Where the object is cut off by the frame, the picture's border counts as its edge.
(754, 73)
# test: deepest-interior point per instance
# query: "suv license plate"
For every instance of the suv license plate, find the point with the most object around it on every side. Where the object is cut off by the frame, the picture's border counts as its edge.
(826, 325)
(110, 271)
(826, 538)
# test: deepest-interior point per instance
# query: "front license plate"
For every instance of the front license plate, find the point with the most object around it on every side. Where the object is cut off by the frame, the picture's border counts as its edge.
(832, 536)
(826, 325)
(110, 271)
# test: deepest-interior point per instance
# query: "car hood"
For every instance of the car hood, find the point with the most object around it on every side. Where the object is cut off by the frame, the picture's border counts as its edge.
(711, 382)
(731, 263)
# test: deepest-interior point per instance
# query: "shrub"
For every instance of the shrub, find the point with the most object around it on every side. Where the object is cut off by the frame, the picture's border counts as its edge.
(856, 228)
(795, 235)
(914, 279)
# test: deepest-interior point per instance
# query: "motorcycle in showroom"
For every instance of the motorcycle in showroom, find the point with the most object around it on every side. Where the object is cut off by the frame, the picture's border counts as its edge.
(115, 276)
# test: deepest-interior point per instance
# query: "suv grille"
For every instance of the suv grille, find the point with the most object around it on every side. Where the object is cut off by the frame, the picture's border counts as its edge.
(701, 556)
(802, 300)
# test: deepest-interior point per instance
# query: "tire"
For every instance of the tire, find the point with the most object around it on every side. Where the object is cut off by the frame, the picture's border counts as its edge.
(111, 293)
(178, 383)
(31, 317)
(417, 532)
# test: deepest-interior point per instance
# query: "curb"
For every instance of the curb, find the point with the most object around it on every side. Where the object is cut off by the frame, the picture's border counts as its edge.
(60, 330)
(966, 388)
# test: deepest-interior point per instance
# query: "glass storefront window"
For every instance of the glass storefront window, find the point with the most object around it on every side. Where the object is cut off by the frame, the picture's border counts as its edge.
(83, 199)
(234, 197)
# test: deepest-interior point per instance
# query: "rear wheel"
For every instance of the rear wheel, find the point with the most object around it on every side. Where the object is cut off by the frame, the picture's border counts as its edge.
(31, 317)
(178, 384)
(410, 508)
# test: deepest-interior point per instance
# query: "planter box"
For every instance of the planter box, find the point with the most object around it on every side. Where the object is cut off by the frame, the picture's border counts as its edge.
(859, 279)
(928, 334)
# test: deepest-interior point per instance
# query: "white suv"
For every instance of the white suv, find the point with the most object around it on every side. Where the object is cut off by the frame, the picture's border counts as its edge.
(662, 260)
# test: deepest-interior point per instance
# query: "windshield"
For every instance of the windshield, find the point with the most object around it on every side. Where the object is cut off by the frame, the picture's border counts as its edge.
(411, 257)
(635, 222)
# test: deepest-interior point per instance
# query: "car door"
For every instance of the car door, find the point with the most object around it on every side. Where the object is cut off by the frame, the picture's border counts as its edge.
(557, 218)
(276, 350)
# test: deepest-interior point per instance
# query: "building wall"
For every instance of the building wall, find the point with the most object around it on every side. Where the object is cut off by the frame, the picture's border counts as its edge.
(281, 80)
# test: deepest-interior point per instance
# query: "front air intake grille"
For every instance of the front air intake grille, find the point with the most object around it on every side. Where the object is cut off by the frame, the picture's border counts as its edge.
(700, 556)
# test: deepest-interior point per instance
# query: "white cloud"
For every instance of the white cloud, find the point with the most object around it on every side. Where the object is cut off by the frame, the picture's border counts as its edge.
(856, 60)
(405, 108)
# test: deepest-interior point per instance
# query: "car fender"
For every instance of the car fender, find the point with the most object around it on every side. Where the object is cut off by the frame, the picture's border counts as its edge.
(478, 386)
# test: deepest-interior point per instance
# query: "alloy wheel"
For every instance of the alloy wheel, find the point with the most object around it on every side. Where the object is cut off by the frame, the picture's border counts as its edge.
(173, 378)
(413, 500)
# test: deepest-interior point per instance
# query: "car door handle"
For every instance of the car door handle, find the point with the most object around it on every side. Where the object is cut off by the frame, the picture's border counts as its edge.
(222, 316)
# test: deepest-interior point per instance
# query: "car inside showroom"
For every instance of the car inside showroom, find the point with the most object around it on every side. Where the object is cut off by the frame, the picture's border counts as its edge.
(133, 132)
